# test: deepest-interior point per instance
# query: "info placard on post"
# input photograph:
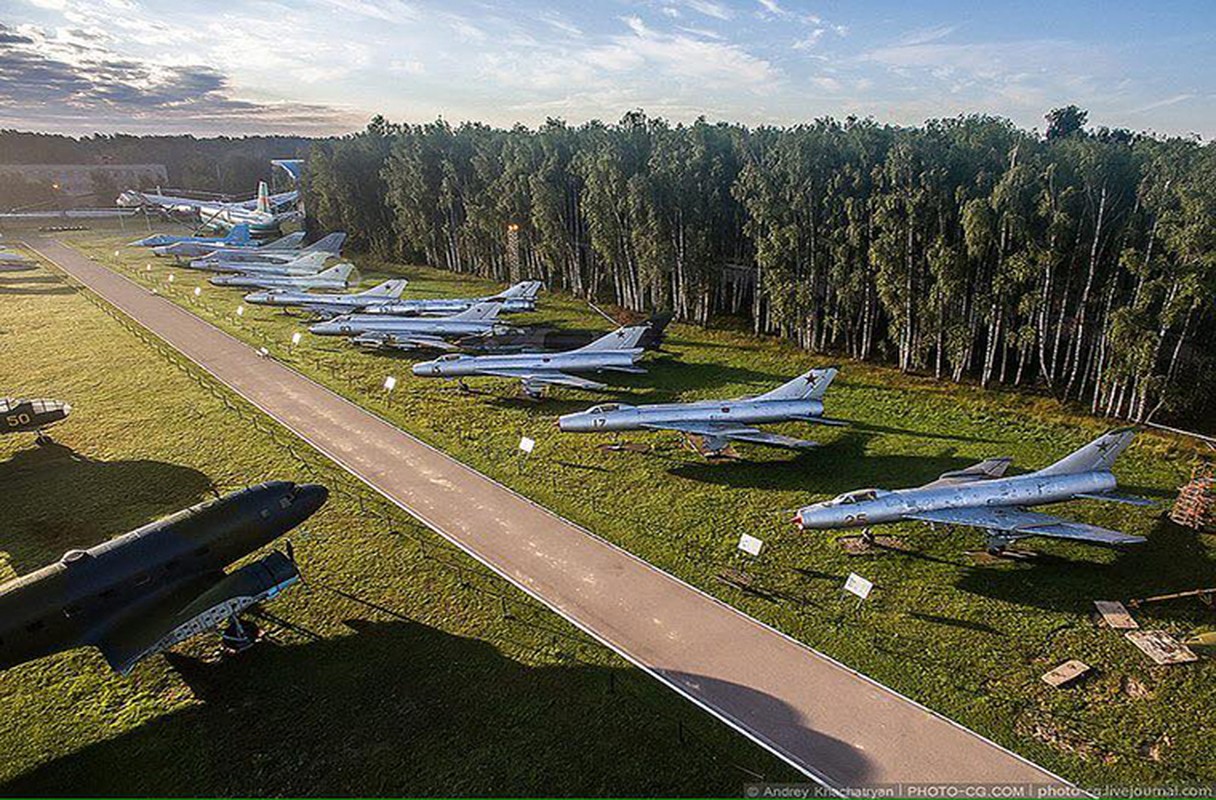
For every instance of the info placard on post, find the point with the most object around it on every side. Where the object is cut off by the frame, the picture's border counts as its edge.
(855, 584)
(750, 544)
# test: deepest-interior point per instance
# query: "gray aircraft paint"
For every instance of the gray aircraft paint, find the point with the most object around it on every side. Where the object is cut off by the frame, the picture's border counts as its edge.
(981, 497)
(330, 304)
(336, 277)
(716, 420)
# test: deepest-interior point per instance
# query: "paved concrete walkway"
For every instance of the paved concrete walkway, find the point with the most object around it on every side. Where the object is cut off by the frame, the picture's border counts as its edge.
(830, 722)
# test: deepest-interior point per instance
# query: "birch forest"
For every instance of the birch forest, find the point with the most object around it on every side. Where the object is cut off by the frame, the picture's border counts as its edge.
(1075, 262)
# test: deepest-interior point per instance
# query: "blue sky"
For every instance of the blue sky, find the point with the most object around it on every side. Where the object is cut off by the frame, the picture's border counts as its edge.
(325, 66)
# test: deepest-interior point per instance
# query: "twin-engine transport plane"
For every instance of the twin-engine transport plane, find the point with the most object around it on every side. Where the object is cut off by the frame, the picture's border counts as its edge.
(147, 590)
(981, 497)
(25, 416)
(718, 422)
(335, 278)
(618, 352)
(328, 305)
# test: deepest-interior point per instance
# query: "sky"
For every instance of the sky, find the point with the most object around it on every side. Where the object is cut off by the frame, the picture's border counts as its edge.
(317, 67)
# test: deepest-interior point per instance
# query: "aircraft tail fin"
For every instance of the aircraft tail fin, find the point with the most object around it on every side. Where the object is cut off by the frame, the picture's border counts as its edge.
(621, 339)
(330, 243)
(238, 235)
(391, 288)
(340, 272)
(264, 198)
(479, 311)
(809, 385)
(1097, 456)
(524, 290)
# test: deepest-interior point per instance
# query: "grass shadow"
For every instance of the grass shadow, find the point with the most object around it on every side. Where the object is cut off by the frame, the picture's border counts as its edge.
(55, 496)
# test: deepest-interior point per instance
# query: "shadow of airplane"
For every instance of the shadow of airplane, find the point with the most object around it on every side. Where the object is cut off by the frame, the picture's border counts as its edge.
(400, 708)
(54, 498)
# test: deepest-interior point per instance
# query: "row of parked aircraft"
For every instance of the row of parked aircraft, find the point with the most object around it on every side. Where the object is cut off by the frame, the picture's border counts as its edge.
(481, 344)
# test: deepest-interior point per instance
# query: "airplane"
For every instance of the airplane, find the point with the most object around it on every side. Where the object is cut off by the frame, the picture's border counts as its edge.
(336, 277)
(618, 351)
(718, 422)
(518, 298)
(236, 260)
(261, 214)
(23, 416)
(546, 337)
(331, 304)
(203, 247)
(982, 497)
(145, 591)
(236, 237)
(300, 264)
(409, 333)
(13, 261)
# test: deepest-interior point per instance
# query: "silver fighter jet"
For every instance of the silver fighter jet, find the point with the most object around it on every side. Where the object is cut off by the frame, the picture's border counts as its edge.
(234, 259)
(617, 352)
(981, 497)
(518, 298)
(336, 277)
(330, 305)
(411, 333)
(718, 422)
(298, 264)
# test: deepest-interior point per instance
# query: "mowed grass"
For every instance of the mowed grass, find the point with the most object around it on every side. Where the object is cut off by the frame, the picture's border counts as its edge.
(399, 674)
(968, 639)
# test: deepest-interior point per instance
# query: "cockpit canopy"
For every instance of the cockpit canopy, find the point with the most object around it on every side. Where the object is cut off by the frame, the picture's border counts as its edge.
(606, 408)
(450, 357)
(855, 496)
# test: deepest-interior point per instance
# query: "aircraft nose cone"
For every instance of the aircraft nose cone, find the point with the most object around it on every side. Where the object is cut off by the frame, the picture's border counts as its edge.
(310, 497)
(421, 368)
(67, 409)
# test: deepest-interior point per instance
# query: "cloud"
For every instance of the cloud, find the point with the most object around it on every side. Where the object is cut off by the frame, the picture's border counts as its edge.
(710, 9)
(926, 35)
(70, 80)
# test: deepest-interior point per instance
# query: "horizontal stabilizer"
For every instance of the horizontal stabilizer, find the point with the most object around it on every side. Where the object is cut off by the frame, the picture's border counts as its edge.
(482, 311)
(1111, 497)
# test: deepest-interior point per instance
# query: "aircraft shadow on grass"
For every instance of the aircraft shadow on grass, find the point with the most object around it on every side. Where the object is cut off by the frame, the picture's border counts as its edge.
(33, 285)
(1173, 559)
(402, 708)
(832, 469)
(57, 499)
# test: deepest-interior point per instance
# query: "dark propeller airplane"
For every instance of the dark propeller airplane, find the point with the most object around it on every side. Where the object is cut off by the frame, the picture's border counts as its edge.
(24, 416)
(145, 591)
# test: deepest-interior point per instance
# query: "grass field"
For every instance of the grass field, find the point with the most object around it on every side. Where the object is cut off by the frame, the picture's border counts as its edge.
(968, 639)
(400, 674)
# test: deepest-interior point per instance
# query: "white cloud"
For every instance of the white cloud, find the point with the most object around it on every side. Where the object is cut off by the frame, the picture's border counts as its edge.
(710, 9)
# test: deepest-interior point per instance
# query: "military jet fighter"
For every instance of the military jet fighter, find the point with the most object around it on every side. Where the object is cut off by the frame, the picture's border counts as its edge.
(617, 352)
(145, 591)
(299, 264)
(520, 297)
(236, 260)
(718, 422)
(548, 338)
(410, 333)
(18, 416)
(981, 497)
(336, 277)
(331, 304)
(285, 245)
(238, 236)
(13, 261)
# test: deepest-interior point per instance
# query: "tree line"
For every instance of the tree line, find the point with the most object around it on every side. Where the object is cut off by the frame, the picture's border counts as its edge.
(1080, 262)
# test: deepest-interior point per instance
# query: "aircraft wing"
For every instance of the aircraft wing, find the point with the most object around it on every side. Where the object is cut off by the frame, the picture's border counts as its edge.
(727, 430)
(195, 605)
(1022, 523)
(535, 377)
(407, 341)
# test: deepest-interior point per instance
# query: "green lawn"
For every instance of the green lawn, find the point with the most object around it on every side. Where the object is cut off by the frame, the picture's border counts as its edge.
(399, 673)
(968, 639)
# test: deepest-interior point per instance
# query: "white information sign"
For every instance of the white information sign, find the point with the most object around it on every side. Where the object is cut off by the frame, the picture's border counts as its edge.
(240, 311)
(526, 444)
(295, 338)
(390, 382)
(197, 291)
(750, 544)
(855, 584)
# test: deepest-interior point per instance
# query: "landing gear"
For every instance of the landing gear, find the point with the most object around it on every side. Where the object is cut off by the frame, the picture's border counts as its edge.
(239, 636)
(867, 537)
(42, 440)
(995, 543)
